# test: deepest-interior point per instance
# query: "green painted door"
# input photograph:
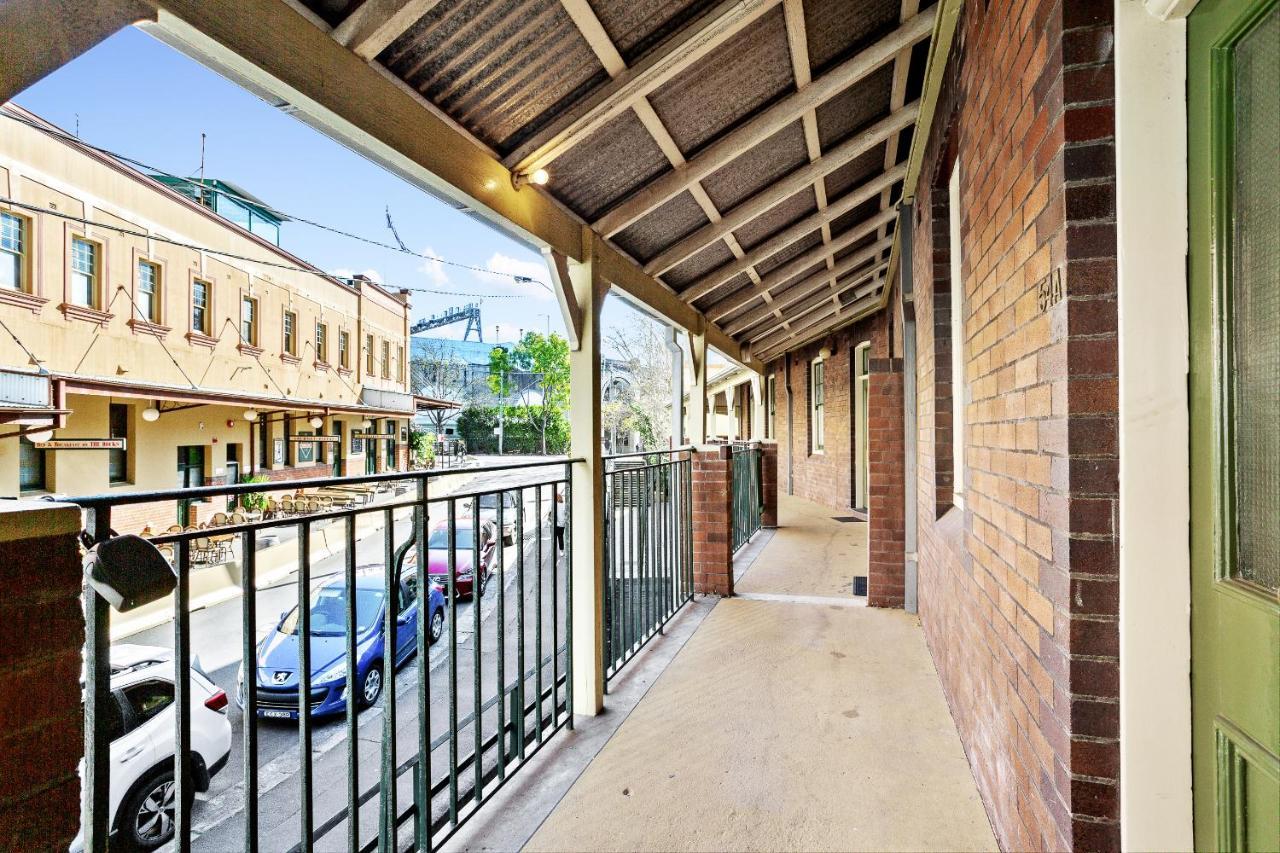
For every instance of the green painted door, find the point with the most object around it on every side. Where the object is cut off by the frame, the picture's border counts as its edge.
(1233, 105)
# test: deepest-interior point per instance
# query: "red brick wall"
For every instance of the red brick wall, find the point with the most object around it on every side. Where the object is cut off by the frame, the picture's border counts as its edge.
(712, 520)
(769, 483)
(826, 477)
(42, 740)
(1018, 590)
(885, 484)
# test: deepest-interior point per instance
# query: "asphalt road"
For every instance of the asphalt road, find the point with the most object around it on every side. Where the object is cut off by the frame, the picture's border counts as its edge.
(216, 642)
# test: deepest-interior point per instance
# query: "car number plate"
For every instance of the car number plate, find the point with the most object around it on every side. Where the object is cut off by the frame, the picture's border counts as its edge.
(278, 715)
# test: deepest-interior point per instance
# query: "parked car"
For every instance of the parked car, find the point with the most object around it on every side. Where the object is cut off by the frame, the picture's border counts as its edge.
(277, 675)
(140, 724)
(464, 549)
(489, 514)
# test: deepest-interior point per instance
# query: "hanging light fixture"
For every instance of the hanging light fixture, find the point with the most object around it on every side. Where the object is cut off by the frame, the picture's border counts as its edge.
(538, 177)
(40, 435)
(316, 421)
(366, 424)
(250, 415)
(151, 414)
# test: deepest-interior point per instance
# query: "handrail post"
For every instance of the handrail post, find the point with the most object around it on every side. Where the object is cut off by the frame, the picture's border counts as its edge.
(587, 513)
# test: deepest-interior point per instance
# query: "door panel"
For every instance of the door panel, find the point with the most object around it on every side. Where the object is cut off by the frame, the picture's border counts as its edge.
(1234, 216)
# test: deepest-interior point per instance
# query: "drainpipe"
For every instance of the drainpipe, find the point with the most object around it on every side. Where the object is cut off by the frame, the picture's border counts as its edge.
(791, 433)
(910, 437)
(677, 388)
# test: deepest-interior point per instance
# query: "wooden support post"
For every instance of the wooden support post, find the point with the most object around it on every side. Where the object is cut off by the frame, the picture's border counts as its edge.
(587, 559)
(697, 427)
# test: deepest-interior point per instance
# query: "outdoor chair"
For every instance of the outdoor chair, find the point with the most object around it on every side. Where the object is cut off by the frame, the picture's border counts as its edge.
(287, 507)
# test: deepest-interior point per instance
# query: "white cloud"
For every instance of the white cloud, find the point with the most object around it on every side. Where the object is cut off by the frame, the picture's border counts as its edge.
(503, 283)
(433, 270)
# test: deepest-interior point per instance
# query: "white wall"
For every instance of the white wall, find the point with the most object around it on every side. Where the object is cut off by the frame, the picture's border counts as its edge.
(1155, 570)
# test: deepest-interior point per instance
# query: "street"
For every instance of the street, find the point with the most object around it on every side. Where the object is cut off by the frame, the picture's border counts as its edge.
(216, 644)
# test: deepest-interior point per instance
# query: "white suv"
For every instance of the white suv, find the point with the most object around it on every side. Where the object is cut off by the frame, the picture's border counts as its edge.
(140, 724)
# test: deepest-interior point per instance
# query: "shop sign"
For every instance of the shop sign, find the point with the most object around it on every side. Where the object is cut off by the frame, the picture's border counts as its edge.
(80, 444)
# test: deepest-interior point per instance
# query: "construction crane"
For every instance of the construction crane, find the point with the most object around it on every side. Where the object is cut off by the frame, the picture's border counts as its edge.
(469, 313)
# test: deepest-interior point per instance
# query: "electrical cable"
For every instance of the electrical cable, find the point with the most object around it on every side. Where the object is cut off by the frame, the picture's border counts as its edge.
(130, 232)
(402, 249)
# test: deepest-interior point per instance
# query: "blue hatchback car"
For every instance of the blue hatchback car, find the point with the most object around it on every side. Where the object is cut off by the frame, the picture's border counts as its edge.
(278, 678)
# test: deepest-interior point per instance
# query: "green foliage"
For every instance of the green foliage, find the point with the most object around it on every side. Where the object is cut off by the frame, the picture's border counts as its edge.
(422, 445)
(546, 356)
(253, 501)
(477, 423)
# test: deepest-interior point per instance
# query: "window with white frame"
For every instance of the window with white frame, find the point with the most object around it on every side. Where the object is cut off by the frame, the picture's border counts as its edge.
(148, 306)
(249, 321)
(322, 343)
(958, 385)
(84, 273)
(200, 307)
(818, 435)
(13, 252)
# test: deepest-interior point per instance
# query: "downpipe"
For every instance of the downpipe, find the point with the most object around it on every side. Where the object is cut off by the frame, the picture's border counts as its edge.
(910, 575)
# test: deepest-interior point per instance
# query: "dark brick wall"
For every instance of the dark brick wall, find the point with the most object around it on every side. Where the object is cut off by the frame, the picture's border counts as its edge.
(1018, 590)
(41, 729)
(886, 504)
(769, 483)
(712, 520)
(826, 478)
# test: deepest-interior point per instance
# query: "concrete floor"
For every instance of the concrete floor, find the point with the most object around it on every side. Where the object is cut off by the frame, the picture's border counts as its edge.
(810, 554)
(784, 724)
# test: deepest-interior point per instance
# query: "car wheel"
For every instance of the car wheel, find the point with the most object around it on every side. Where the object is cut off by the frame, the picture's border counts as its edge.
(437, 625)
(146, 819)
(371, 685)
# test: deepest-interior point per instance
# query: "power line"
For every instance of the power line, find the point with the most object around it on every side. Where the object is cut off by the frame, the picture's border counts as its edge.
(401, 249)
(130, 232)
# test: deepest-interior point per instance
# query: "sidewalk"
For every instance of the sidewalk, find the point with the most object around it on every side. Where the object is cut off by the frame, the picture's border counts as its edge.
(785, 724)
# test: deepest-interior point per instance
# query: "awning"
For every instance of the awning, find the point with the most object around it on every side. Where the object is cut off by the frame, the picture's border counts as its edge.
(74, 384)
(428, 404)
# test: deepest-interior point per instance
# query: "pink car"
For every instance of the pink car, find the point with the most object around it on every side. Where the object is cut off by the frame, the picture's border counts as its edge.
(464, 549)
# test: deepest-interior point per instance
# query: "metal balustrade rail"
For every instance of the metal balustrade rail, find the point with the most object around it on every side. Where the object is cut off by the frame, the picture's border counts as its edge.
(748, 500)
(495, 716)
(648, 548)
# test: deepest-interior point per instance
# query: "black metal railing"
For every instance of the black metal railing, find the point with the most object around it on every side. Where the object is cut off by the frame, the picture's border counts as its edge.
(648, 548)
(488, 695)
(747, 491)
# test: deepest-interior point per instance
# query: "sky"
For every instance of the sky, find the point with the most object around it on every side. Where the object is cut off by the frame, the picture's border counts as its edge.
(140, 98)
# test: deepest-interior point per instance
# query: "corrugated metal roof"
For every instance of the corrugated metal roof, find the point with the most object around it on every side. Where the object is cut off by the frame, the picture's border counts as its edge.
(515, 72)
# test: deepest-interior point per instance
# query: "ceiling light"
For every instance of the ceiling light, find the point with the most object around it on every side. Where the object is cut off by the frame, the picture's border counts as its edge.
(40, 435)
(250, 415)
(538, 177)
(151, 414)
(366, 423)
(317, 421)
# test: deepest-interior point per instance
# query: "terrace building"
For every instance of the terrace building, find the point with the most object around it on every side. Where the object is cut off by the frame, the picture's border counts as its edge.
(139, 362)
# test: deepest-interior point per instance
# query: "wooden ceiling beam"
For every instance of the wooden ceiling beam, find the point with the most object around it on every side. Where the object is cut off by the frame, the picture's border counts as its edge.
(811, 284)
(290, 57)
(824, 324)
(589, 26)
(780, 275)
(377, 23)
(764, 125)
(784, 238)
(868, 282)
(671, 56)
(781, 190)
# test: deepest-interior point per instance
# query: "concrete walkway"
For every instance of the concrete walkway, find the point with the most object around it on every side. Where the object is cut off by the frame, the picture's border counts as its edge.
(785, 724)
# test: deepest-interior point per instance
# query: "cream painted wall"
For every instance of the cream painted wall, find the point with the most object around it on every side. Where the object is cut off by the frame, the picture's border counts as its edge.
(1155, 570)
(39, 170)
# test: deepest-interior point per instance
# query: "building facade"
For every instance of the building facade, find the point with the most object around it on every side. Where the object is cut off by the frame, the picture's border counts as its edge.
(174, 345)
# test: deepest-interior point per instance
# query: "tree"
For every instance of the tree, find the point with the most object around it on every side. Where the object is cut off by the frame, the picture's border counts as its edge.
(436, 370)
(536, 370)
(644, 406)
